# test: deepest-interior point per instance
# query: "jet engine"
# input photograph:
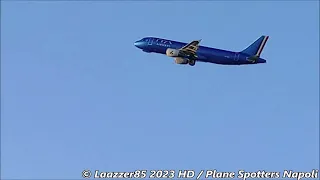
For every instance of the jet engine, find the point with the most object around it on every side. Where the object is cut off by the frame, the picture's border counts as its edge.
(180, 60)
(172, 52)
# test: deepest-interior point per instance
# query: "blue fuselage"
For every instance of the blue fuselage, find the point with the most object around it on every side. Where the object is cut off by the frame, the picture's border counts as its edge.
(205, 54)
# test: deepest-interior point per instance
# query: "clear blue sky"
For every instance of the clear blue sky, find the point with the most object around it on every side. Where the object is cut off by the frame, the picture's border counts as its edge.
(76, 94)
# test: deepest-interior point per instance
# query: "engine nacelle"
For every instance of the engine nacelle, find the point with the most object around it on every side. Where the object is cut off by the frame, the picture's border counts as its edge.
(180, 60)
(172, 52)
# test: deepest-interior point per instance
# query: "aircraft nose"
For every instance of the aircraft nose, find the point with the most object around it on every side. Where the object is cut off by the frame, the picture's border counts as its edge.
(138, 44)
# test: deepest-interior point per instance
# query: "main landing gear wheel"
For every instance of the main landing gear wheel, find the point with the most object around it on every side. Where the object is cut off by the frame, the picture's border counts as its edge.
(192, 62)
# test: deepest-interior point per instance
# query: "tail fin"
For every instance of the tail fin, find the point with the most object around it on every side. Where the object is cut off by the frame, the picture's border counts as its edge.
(256, 48)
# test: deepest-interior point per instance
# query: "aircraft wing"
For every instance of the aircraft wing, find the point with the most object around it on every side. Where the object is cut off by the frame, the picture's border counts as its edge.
(191, 48)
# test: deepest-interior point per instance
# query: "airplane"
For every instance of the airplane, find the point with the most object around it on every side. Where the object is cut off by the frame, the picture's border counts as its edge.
(190, 53)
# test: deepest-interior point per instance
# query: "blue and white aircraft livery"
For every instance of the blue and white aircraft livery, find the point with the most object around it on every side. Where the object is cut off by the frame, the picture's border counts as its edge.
(191, 53)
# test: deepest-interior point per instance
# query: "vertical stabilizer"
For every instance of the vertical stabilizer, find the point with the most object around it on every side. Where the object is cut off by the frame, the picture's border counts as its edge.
(256, 48)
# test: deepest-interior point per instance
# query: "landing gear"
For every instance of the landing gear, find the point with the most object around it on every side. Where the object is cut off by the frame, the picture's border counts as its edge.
(192, 62)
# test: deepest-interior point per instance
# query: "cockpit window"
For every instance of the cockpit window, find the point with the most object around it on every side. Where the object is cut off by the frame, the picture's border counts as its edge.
(146, 40)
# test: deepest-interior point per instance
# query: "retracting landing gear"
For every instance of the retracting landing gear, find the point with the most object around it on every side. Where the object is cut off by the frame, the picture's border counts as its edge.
(192, 62)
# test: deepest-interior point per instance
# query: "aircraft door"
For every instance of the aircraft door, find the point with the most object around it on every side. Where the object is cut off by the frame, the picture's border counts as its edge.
(150, 41)
(236, 57)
